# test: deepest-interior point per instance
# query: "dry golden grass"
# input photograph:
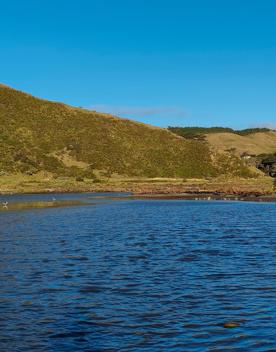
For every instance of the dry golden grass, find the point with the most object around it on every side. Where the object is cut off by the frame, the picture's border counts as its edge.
(256, 143)
(42, 183)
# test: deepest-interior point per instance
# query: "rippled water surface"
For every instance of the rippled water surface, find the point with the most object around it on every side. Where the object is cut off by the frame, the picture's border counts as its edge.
(138, 275)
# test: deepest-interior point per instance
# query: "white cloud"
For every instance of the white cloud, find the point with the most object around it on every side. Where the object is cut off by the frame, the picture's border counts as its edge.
(140, 111)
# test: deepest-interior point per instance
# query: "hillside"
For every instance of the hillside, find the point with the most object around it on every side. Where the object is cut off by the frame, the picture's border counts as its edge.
(201, 132)
(254, 143)
(39, 135)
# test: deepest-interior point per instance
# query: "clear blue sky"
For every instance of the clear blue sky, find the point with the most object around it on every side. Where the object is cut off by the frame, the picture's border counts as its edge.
(164, 62)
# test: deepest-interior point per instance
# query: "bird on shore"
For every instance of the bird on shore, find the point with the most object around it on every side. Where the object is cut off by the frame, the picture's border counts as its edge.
(5, 204)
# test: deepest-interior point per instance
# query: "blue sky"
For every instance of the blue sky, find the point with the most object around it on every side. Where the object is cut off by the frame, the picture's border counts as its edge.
(164, 62)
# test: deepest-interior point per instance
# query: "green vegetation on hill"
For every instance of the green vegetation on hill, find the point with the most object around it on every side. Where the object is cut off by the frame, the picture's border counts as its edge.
(200, 132)
(38, 135)
(249, 131)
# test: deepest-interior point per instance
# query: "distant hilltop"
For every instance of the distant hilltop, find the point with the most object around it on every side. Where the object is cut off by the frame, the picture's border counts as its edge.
(39, 135)
(196, 132)
(253, 141)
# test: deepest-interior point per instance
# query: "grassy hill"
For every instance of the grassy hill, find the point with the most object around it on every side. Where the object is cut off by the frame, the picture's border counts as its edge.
(39, 135)
(252, 141)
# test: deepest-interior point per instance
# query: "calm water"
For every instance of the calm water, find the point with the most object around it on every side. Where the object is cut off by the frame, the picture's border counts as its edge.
(136, 275)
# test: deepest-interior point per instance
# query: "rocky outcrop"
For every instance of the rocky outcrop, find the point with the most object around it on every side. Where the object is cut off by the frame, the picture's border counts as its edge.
(268, 165)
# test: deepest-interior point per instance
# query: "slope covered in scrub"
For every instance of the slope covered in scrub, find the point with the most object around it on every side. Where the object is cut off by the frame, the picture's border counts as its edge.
(39, 135)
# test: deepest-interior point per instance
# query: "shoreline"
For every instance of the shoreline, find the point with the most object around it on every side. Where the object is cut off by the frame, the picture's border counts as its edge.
(209, 197)
(268, 198)
(259, 189)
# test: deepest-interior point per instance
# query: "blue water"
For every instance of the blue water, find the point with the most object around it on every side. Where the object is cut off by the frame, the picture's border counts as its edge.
(138, 275)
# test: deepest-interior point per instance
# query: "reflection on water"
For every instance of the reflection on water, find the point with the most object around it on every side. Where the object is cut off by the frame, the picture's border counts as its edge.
(138, 275)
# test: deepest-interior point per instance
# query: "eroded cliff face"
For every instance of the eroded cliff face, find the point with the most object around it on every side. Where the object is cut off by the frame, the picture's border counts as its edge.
(268, 165)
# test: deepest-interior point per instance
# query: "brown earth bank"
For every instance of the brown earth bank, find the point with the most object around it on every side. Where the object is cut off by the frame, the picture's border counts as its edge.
(258, 191)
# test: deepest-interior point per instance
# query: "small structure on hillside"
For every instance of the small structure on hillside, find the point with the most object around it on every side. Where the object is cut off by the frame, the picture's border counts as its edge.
(247, 156)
